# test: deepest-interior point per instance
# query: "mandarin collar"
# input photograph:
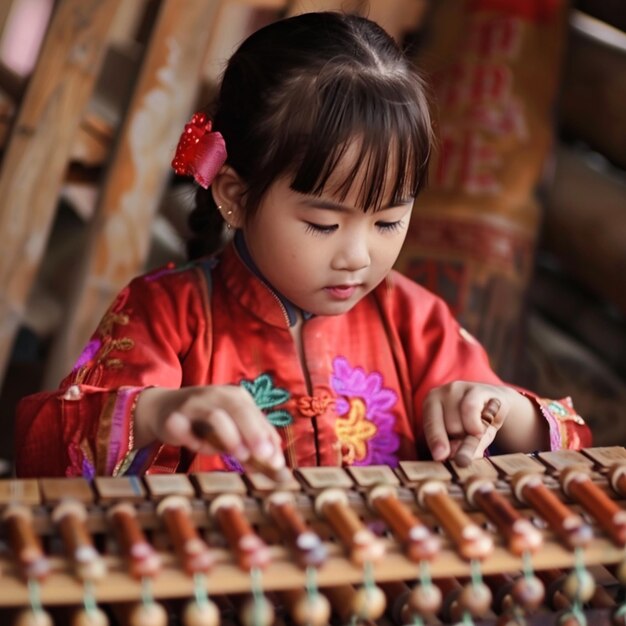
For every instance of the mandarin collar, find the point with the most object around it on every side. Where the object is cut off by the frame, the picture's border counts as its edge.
(290, 310)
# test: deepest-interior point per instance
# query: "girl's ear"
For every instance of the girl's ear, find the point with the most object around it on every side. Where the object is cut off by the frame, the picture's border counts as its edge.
(228, 190)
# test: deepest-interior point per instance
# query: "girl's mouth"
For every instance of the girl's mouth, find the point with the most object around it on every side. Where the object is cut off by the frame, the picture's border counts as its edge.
(341, 292)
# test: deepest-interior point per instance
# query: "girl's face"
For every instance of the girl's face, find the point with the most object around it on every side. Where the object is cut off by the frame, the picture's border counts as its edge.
(321, 253)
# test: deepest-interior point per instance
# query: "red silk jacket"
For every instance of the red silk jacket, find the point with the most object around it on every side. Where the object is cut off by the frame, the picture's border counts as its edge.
(217, 322)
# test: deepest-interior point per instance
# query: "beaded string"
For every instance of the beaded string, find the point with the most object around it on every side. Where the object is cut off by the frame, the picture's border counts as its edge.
(311, 584)
(147, 598)
(89, 599)
(476, 578)
(527, 565)
(34, 596)
(528, 572)
(368, 584)
(425, 581)
(199, 589)
(579, 570)
(256, 579)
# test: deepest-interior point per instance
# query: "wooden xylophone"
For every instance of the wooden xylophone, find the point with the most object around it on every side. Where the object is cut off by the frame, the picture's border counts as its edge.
(511, 538)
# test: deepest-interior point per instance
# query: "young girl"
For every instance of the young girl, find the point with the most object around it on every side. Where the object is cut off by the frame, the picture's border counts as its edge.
(297, 343)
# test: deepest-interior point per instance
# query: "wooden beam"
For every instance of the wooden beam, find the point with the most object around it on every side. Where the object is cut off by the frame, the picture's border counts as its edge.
(36, 155)
(119, 237)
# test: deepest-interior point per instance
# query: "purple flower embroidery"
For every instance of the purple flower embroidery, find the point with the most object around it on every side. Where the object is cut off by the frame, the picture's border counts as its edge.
(365, 427)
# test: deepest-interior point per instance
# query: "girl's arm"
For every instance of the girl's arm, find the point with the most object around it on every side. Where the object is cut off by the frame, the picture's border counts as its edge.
(439, 352)
(154, 333)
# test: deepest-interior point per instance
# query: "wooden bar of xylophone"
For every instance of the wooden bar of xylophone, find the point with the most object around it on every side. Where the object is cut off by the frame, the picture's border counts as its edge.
(420, 540)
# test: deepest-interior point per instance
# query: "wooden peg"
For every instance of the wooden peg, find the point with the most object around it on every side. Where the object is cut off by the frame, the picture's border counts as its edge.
(369, 602)
(475, 598)
(568, 525)
(201, 614)
(250, 550)
(519, 533)
(424, 600)
(257, 612)
(91, 617)
(25, 542)
(577, 484)
(153, 614)
(29, 617)
(70, 517)
(304, 609)
(348, 602)
(143, 560)
(307, 545)
(528, 592)
(471, 541)
(617, 478)
(579, 585)
(192, 551)
(362, 544)
(419, 542)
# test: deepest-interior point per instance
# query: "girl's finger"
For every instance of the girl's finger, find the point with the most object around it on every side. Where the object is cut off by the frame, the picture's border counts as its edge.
(435, 430)
(490, 415)
(177, 431)
(257, 434)
(218, 440)
(216, 431)
(473, 447)
(471, 408)
(467, 450)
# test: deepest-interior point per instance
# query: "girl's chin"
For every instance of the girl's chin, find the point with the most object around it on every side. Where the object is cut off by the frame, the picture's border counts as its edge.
(334, 308)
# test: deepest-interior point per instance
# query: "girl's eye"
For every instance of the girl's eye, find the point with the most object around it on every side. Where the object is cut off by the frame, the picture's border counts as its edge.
(390, 227)
(320, 229)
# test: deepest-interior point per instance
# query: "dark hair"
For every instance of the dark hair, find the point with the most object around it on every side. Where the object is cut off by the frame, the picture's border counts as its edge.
(293, 98)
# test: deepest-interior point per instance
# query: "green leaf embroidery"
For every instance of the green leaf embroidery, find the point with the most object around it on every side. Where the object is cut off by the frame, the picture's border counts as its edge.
(279, 418)
(267, 396)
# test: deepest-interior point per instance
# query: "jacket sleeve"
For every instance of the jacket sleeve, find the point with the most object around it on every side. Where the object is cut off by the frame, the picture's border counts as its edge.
(153, 327)
(439, 351)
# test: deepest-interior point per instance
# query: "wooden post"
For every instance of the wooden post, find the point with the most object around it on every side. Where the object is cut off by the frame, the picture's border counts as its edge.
(120, 232)
(36, 155)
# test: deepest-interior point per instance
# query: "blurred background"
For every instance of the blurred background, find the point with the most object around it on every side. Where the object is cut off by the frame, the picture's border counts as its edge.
(522, 229)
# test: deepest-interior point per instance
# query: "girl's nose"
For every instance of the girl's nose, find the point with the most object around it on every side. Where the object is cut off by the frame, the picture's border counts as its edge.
(353, 254)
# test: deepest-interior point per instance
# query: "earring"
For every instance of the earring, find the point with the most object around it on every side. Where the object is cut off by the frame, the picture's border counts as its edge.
(229, 212)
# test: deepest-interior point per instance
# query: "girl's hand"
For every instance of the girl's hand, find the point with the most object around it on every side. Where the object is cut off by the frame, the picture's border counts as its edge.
(209, 420)
(461, 419)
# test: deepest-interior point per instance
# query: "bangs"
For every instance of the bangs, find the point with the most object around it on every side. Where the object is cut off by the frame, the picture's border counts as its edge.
(376, 132)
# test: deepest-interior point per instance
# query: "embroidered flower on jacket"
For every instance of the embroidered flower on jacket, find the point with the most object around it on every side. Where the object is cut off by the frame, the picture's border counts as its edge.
(563, 410)
(267, 396)
(365, 427)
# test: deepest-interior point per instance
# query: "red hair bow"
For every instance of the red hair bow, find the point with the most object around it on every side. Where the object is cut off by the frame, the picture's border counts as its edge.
(200, 152)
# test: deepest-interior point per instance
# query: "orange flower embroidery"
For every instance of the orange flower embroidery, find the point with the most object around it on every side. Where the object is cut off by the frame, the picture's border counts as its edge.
(354, 431)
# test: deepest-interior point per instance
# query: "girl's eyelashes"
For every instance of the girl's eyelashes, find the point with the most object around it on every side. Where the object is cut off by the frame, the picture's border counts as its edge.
(327, 229)
(320, 229)
(390, 227)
